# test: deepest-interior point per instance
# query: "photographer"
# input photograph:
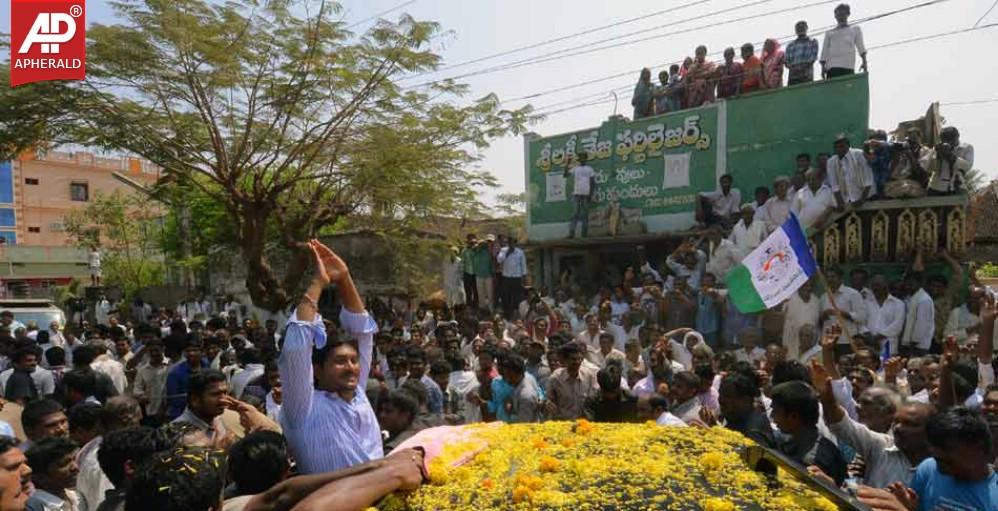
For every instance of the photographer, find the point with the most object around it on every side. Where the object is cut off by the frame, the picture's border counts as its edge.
(947, 170)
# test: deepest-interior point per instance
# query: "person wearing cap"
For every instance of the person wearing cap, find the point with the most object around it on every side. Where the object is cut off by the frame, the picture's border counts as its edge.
(748, 233)
(777, 208)
(849, 174)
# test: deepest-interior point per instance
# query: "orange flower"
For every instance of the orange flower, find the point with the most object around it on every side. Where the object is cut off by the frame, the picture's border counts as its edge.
(521, 494)
(488, 484)
(584, 427)
(549, 464)
(539, 443)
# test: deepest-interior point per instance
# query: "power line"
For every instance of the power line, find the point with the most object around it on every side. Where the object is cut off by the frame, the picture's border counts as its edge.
(973, 102)
(380, 14)
(556, 55)
(985, 15)
(877, 47)
(820, 31)
(589, 31)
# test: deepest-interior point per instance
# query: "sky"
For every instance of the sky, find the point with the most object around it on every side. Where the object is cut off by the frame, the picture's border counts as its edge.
(904, 78)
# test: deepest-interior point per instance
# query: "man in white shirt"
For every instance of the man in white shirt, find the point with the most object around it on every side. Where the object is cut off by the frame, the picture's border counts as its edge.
(802, 310)
(886, 313)
(722, 253)
(252, 369)
(813, 203)
(719, 206)
(838, 53)
(849, 302)
(583, 186)
(748, 233)
(920, 318)
(778, 207)
(947, 171)
(849, 175)
(965, 320)
(513, 263)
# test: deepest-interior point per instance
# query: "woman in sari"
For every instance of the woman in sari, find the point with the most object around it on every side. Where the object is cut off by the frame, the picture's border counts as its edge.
(700, 79)
(772, 64)
(642, 99)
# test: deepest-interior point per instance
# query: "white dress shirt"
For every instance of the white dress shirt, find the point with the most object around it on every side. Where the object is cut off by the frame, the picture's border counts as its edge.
(810, 206)
(724, 205)
(113, 369)
(747, 238)
(799, 313)
(886, 319)
(959, 320)
(723, 257)
(944, 175)
(840, 47)
(850, 301)
(243, 378)
(91, 482)
(850, 175)
(513, 265)
(776, 212)
(920, 321)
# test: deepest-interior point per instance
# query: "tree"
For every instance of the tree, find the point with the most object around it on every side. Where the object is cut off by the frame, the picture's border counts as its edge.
(286, 120)
(125, 229)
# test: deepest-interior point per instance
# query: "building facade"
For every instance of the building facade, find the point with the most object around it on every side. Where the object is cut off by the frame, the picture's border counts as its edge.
(36, 193)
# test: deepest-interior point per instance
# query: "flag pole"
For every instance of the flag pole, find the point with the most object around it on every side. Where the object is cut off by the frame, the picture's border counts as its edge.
(838, 312)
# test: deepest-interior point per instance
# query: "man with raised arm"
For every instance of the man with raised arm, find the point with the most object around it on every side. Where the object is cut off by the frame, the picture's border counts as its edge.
(331, 425)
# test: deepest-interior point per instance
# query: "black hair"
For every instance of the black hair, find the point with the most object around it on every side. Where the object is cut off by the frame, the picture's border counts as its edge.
(762, 189)
(55, 356)
(42, 337)
(116, 333)
(7, 443)
(790, 370)
(705, 372)
(258, 461)
(416, 390)
(189, 478)
(740, 385)
(402, 400)
(608, 379)
(958, 424)
(658, 401)
(85, 416)
(118, 409)
(199, 383)
(440, 367)
(135, 444)
(797, 397)
(415, 352)
(687, 378)
(81, 380)
(83, 355)
(803, 155)
(834, 270)
(569, 349)
(44, 453)
(176, 432)
(35, 411)
(23, 351)
(319, 355)
(249, 356)
(964, 380)
(514, 362)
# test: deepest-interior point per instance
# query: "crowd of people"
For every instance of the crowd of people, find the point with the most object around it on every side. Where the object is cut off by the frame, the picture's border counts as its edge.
(883, 387)
(699, 81)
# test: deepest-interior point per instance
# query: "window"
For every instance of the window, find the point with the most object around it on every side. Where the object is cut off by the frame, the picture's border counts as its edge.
(7, 218)
(79, 192)
(34, 229)
(30, 180)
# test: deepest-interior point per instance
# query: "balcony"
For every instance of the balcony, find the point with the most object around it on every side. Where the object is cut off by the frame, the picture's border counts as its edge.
(891, 231)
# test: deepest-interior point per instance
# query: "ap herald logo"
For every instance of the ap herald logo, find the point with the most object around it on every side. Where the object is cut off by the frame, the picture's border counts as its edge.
(48, 40)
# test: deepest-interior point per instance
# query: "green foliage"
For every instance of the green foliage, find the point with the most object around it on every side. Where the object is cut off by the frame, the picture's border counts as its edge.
(988, 270)
(124, 228)
(284, 123)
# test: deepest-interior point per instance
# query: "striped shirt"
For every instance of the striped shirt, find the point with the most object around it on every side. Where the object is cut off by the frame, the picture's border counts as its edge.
(325, 432)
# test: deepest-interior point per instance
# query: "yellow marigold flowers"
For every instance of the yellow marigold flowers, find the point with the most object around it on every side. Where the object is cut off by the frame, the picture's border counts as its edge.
(521, 494)
(717, 504)
(549, 464)
(712, 461)
(591, 466)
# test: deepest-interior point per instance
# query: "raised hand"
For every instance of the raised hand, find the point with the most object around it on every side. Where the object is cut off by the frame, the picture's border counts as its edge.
(892, 368)
(329, 266)
(819, 376)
